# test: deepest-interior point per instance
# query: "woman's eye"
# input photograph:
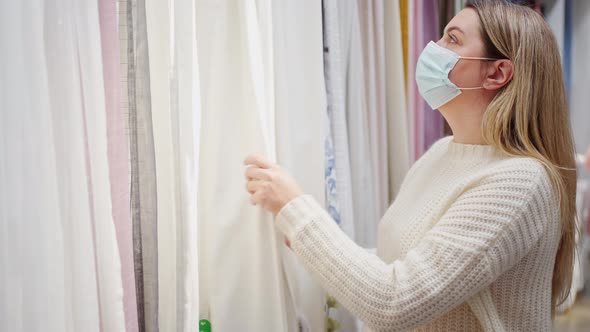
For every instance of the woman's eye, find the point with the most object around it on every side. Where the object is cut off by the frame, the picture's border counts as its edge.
(452, 38)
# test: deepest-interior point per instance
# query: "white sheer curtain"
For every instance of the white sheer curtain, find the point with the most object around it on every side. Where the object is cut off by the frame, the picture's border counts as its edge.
(87, 31)
(395, 101)
(385, 99)
(175, 102)
(300, 108)
(60, 262)
(364, 190)
(262, 91)
(579, 99)
(32, 277)
(241, 280)
(336, 82)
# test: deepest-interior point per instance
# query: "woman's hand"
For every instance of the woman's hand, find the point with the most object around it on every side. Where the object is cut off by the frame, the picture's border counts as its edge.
(269, 186)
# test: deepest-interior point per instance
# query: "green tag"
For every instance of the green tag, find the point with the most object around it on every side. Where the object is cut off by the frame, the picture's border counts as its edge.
(204, 325)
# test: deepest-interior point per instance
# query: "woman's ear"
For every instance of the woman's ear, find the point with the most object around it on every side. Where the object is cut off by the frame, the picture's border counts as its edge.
(499, 74)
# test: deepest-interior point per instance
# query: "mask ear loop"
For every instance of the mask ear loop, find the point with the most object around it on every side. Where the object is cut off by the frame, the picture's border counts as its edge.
(477, 58)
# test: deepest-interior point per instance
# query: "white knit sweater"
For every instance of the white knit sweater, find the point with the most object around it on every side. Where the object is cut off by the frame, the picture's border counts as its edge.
(468, 245)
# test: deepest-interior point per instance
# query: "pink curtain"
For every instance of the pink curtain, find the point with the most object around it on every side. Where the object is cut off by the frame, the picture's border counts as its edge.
(427, 124)
(432, 120)
(118, 153)
(415, 101)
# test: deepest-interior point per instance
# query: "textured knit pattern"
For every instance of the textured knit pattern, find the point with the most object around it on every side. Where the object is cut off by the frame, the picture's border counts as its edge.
(468, 245)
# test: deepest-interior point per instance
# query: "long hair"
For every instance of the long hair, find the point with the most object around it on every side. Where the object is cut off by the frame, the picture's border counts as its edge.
(528, 116)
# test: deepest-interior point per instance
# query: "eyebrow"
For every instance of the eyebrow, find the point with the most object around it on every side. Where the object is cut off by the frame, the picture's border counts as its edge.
(451, 28)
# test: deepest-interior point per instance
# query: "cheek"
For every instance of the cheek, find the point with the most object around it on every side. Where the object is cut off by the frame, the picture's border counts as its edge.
(459, 74)
(466, 74)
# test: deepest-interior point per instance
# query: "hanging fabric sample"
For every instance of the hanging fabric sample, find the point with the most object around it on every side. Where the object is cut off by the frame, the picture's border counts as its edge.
(404, 21)
(71, 170)
(142, 164)
(555, 16)
(577, 54)
(158, 23)
(242, 285)
(174, 93)
(87, 41)
(39, 269)
(432, 120)
(381, 34)
(426, 124)
(412, 94)
(335, 73)
(396, 106)
(371, 23)
(158, 33)
(350, 190)
(300, 104)
(65, 271)
(363, 184)
(188, 119)
(118, 153)
(416, 104)
(567, 56)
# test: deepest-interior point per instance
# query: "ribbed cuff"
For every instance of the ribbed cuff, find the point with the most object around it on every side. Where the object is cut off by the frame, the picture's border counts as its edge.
(296, 214)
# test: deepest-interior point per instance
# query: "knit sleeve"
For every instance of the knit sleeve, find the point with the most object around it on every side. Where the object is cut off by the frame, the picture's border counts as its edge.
(485, 231)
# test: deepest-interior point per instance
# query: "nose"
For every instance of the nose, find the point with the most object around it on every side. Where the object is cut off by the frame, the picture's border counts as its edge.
(441, 42)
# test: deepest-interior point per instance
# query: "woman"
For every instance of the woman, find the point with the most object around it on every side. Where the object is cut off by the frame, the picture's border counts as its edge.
(481, 234)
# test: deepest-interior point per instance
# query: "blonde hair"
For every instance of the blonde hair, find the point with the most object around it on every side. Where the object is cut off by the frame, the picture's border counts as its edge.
(528, 117)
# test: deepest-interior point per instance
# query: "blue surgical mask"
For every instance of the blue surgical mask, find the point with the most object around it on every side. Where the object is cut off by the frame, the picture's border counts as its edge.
(432, 74)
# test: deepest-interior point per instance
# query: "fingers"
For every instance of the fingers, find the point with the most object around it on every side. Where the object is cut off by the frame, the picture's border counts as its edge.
(256, 173)
(258, 176)
(258, 160)
(257, 198)
(253, 185)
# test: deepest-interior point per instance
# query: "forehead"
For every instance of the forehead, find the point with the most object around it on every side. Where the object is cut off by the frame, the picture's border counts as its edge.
(467, 21)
